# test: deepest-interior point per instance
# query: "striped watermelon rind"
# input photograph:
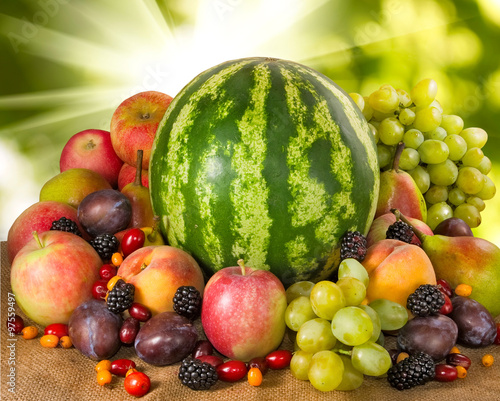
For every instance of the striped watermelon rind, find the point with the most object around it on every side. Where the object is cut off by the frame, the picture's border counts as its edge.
(264, 160)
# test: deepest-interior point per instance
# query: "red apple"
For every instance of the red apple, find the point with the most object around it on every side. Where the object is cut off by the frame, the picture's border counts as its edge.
(53, 274)
(381, 224)
(38, 217)
(243, 312)
(134, 124)
(92, 149)
(157, 272)
(127, 175)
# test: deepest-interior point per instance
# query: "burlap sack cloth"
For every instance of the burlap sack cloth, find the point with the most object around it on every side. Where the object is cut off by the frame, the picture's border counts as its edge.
(65, 374)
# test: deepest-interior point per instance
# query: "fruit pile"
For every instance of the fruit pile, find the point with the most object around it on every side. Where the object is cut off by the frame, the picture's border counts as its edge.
(444, 158)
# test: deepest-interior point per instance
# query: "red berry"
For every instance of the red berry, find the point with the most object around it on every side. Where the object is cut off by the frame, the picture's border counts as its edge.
(15, 324)
(497, 338)
(58, 329)
(99, 289)
(121, 366)
(202, 347)
(231, 371)
(447, 307)
(279, 359)
(444, 287)
(445, 373)
(458, 360)
(260, 363)
(137, 384)
(107, 271)
(139, 311)
(128, 331)
(132, 241)
(213, 360)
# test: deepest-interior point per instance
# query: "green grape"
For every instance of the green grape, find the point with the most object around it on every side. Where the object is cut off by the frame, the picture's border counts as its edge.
(472, 157)
(456, 196)
(392, 315)
(433, 151)
(352, 268)
(488, 191)
(475, 137)
(315, 335)
(377, 328)
(407, 116)
(384, 154)
(435, 103)
(424, 92)
(470, 180)
(456, 146)
(477, 202)
(298, 312)
(371, 359)
(367, 110)
(437, 213)
(409, 159)
(404, 98)
(381, 339)
(326, 299)
(485, 165)
(353, 289)
(292, 335)
(437, 133)
(299, 364)
(427, 119)
(452, 124)
(326, 370)
(436, 194)
(421, 178)
(384, 100)
(444, 173)
(469, 214)
(298, 289)
(352, 378)
(376, 124)
(358, 99)
(413, 138)
(352, 326)
(390, 131)
(374, 132)
(378, 116)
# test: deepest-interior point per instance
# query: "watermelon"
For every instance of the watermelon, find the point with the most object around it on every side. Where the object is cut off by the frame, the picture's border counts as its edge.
(264, 160)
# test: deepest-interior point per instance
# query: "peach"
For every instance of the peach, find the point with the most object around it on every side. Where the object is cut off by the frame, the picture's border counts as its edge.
(157, 272)
(396, 269)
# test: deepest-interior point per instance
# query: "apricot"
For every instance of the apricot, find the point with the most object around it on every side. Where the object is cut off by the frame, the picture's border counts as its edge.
(396, 269)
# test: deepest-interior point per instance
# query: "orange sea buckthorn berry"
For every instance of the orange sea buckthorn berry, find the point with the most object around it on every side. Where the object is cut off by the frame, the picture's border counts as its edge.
(401, 356)
(461, 372)
(454, 350)
(29, 332)
(65, 342)
(104, 377)
(487, 360)
(103, 365)
(49, 341)
(464, 290)
(254, 377)
(130, 371)
(112, 281)
(117, 259)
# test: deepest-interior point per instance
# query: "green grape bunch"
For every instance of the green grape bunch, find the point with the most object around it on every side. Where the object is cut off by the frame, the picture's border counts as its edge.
(445, 159)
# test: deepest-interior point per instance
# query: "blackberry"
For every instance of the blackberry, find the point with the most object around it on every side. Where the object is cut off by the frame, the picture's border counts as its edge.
(187, 302)
(197, 375)
(353, 245)
(415, 370)
(120, 297)
(105, 245)
(400, 231)
(426, 300)
(67, 225)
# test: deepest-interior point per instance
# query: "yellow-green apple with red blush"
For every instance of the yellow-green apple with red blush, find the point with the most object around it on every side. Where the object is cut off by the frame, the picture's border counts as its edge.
(134, 124)
(379, 227)
(157, 272)
(127, 176)
(53, 274)
(243, 312)
(38, 217)
(92, 149)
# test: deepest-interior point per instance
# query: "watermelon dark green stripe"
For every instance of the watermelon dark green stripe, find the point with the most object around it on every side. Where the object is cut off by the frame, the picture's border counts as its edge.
(265, 160)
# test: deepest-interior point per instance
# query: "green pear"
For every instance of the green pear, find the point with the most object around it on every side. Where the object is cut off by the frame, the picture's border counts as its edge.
(138, 195)
(399, 191)
(72, 185)
(468, 260)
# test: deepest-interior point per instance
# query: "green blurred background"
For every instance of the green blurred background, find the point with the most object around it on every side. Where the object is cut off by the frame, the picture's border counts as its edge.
(65, 65)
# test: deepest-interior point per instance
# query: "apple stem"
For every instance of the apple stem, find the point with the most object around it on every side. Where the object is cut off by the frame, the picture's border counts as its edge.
(90, 144)
(399, 216)
(241, 263)
(37, 238)
(138, 168)
(397, 156)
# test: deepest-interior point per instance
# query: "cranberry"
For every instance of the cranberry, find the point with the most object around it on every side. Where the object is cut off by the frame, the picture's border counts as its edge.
(458, 360)
(99, 289)
(202, 347)
(213, 360)
(445, 373)
(132, 241)
(15, 324)
(121, 366)
(447, 307)
(139, 311)
(58, 329)
(259, 363)
(128, 331)
(107, 271)
(279, 359)
(444, 287)
(231, 371)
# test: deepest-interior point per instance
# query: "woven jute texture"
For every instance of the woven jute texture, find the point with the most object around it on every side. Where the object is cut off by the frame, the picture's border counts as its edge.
(64, 374)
